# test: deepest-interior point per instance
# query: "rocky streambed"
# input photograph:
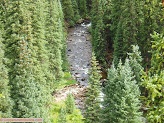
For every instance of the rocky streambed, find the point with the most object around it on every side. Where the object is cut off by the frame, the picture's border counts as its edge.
(79, 51)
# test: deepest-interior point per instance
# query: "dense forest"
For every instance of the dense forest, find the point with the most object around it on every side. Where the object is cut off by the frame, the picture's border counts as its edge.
(127, 39)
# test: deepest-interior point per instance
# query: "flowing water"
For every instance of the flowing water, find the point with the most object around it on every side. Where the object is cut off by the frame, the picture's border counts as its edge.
(79, 52)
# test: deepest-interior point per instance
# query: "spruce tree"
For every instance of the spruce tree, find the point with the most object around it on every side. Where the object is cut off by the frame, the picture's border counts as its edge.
(68, 11)
(82, 8)
(55, 38)
(76, 10)
(63, 41)
(89, 6)
(98, 33)
(125, 21)
(115, 16)
(5, 100)
(153, 82)
(40, 53)
(121, 100)
(26, 76)
(62, 116)
(152, 21)
(70, 104)
(92, 102)
(135, 61)
(24, 91)
(94, 12)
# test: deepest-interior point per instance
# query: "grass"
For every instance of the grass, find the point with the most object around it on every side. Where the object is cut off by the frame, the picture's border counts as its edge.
(65, 81)
(75, 117)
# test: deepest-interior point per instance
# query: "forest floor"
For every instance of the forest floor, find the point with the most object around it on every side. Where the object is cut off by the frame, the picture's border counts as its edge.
(79, 51)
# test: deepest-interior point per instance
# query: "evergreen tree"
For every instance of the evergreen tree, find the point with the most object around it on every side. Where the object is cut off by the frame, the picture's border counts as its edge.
(76, 10)
(153, 82)
(94, 12)
(82, 8)
(124, 36)
(62, 116)
(157, 52)
(98, 33)
(26, 76)
(115, 15)
(135, 63)
(121, 103)
(92, 103)
(68, 11)
(89, 6)
(70, 104)
(107, 23)
(153, 21)
(40, 53)
(63, 39)
(55, 37)
(5, 101)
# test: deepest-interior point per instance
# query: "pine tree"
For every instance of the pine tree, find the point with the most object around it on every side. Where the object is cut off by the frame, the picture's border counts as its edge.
(135, 61)
(5, 101)
(115, 15)
(92, 102)
(70, 104)
(68, 11)
(62, 116)
(18, 36)
(42, 74)
(121, 103)
(26, 76)
(82, 8)
(89, 6)
(63, 34)
(76, 10)
(98, 34)
(55, 38)
(94, 12)
(153, 82)
(152, 21)
(107, 24)
(125, 22)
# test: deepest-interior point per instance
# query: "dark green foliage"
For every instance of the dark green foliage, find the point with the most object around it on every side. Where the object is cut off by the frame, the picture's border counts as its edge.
(94, 18)
(18, 50)
(157, 60)
(33, 41)
(92, 102)
(40, 55)
(82, 8)
(125, 21)
(5, 101)
(70, 104)
(68, 11)
(153, 82)
(76, 10)
(107, 23)
(55, 38)
(121, 101)
(98, 41)
(115, 14)
(153, 21)
(62, 116)
(62, 46)
(135, 63)
(89, 6)
(28, 61)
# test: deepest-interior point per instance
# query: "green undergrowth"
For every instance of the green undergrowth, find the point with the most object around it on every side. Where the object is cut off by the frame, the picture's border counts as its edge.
(65, 81)
(74, 117)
